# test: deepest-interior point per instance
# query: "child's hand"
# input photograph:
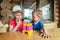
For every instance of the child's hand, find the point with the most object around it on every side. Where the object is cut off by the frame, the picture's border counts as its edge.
(45, 35)
(18, 23)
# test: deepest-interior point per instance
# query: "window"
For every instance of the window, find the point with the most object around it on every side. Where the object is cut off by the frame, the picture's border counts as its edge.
(46, 12)
(46, 8)
(28, 13)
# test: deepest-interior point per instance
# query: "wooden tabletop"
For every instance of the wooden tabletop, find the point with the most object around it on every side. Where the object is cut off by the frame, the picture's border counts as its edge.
(55, 35)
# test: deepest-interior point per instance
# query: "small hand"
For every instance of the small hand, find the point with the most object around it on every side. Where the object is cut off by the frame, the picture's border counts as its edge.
(45, 35)
(18, 22)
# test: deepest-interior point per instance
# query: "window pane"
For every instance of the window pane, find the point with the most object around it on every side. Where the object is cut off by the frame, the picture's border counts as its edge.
(28, 13)
(46, 12)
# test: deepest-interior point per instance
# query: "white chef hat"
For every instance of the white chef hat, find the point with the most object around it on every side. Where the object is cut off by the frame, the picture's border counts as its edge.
(16, 8)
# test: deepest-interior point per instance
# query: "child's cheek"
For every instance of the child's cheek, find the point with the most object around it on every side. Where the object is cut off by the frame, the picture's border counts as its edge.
(20, 17)
(17, 17)
(36, 19)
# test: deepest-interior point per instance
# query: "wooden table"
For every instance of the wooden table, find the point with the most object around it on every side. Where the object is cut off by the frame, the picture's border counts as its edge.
(55, 35)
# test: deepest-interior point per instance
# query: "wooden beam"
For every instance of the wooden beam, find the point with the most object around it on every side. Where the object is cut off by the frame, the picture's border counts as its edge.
(33, 5)
(37, 4)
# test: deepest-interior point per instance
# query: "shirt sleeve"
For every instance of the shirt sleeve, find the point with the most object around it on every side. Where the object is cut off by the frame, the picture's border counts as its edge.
(11, 22)
(41, 24)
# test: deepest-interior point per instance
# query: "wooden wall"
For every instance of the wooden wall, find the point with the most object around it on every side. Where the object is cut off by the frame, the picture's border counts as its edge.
(6, 9)
(58, 12)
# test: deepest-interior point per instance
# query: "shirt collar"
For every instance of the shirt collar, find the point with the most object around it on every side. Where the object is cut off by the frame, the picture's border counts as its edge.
(36, 22)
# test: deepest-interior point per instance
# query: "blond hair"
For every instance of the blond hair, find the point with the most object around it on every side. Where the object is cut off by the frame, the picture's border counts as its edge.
(19, 11)
(38, 12)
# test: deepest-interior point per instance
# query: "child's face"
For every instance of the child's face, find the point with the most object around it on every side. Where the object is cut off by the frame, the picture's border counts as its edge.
(18, 16)
(35, 17)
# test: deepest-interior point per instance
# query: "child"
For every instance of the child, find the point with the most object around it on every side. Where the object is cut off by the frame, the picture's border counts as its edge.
(37, 24)
(16, 24)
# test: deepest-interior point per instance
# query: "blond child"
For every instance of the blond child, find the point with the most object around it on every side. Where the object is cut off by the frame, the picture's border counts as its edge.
(37, 24)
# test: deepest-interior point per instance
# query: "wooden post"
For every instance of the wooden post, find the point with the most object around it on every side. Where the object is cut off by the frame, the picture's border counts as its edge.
(52, 9)
(58, 12)
(37, 4)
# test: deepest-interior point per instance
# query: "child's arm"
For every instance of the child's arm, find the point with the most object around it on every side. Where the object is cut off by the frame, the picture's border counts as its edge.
(11, 29)
(14, 28)
(44, 30)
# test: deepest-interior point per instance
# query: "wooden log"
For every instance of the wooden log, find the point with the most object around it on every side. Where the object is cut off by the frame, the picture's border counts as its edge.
(15, 1)
(6, 5)
(13, 4)
(3, 12)
(6, 0)
(4, 20)
(6, 12)
(9, 12)
(3, 5)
